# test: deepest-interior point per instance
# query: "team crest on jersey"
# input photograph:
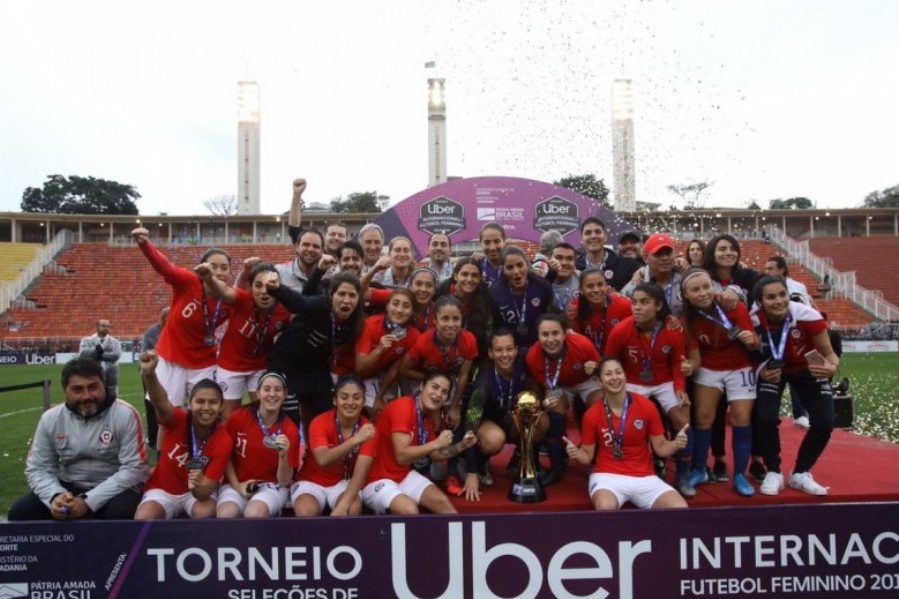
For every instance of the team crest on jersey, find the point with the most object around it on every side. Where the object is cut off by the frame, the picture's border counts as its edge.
(638, 424)
(666, 349)
(400, 350)
(106, 437)
(796, 333)
(535, 302)
(609, 274)
(577, 366)
(615, 321)
(279, 325)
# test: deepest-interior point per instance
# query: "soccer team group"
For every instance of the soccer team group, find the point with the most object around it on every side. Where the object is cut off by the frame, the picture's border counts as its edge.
(381, 381)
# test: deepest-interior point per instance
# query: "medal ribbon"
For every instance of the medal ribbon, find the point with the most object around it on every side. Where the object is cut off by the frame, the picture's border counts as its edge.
(552, 382)
(420, 420)
(722, 319)
(348, 458)
(265, 430)
(505, 393)
(599, 337)
(445, 351)
(617, 440)
(781, 347)
(520, 316)
(260, 333)
(647, 355)
(210, 325)
(196, 449)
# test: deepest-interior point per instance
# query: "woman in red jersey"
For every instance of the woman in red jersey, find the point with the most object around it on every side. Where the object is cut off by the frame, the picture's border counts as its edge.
(424, 287)
(797, 351)
(385, 339)
(563, 362)
(653, 357)
(723, 338)
(255, 320)
(267, 451)
(597, 308)
(187, 345)
(195, 450)
(342, 446)
(616, 437)
(406, 435)
(448, 348)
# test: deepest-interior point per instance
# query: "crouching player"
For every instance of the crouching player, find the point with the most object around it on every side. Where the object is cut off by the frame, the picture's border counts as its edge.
(342, 448)
(195, 450)
(406, 434)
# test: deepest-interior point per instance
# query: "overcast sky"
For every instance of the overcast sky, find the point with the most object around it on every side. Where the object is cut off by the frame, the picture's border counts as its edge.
(767, 99)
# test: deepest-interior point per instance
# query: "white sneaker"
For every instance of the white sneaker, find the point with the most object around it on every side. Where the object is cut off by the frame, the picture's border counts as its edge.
(802, 422)
(773, 483)
(804, 482)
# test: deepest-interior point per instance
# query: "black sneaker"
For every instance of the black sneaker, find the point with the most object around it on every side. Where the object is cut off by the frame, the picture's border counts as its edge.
(757, 471)
(720, 471)
(551, 476)
(710, 474)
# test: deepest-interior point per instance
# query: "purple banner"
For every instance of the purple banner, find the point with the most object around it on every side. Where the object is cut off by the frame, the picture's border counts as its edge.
(845, 550)
(8, 357)
(523, 207)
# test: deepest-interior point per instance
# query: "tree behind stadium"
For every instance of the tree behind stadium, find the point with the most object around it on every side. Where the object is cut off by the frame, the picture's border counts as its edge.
(80, 195)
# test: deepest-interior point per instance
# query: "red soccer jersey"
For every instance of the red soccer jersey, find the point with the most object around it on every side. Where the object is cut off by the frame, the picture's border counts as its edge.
(601, 322)
(370, 338)
(633, 348)
(643, 421)
(400, 416)
(323, 433)
(578, 349)
(170, 474)
(717, 351)
(182, 340)
(430, 358)
(247, 341)
(806, 323)
(251, 458)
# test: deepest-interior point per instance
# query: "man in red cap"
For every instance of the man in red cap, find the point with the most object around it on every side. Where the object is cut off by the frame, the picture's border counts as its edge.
(658, 253)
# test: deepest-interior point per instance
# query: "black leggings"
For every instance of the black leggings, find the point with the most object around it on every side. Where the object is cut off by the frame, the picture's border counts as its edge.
(817, 398)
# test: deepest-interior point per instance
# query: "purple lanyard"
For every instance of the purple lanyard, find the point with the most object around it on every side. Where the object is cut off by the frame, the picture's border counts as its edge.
(420, 419)
(551, 383)
(520, 316)
(647, 356)
(505, 394)
(617, 440)
(265, 431)
(210, 324)
(778, 354)
(722, 319)
(444, 350)
(196, 448)
(348, 458)
(260, 333)
(599, 337)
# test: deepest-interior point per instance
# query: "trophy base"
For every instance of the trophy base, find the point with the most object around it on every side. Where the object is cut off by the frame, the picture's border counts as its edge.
(527, 490)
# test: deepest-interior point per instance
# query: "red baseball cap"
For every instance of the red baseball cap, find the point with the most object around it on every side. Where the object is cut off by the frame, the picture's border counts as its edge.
(656, 242)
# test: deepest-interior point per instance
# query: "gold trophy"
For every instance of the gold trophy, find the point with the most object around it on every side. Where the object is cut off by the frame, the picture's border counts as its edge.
(526, 488)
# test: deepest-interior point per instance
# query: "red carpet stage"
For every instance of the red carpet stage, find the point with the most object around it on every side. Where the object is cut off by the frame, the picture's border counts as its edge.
(854, 467)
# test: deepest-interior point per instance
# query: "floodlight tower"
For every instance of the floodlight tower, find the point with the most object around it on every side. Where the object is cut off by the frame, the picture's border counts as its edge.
(436, 130)
(623, 145)
(248, 180)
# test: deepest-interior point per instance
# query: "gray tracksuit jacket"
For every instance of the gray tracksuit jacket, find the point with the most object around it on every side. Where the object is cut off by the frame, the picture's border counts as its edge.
(103, 455)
